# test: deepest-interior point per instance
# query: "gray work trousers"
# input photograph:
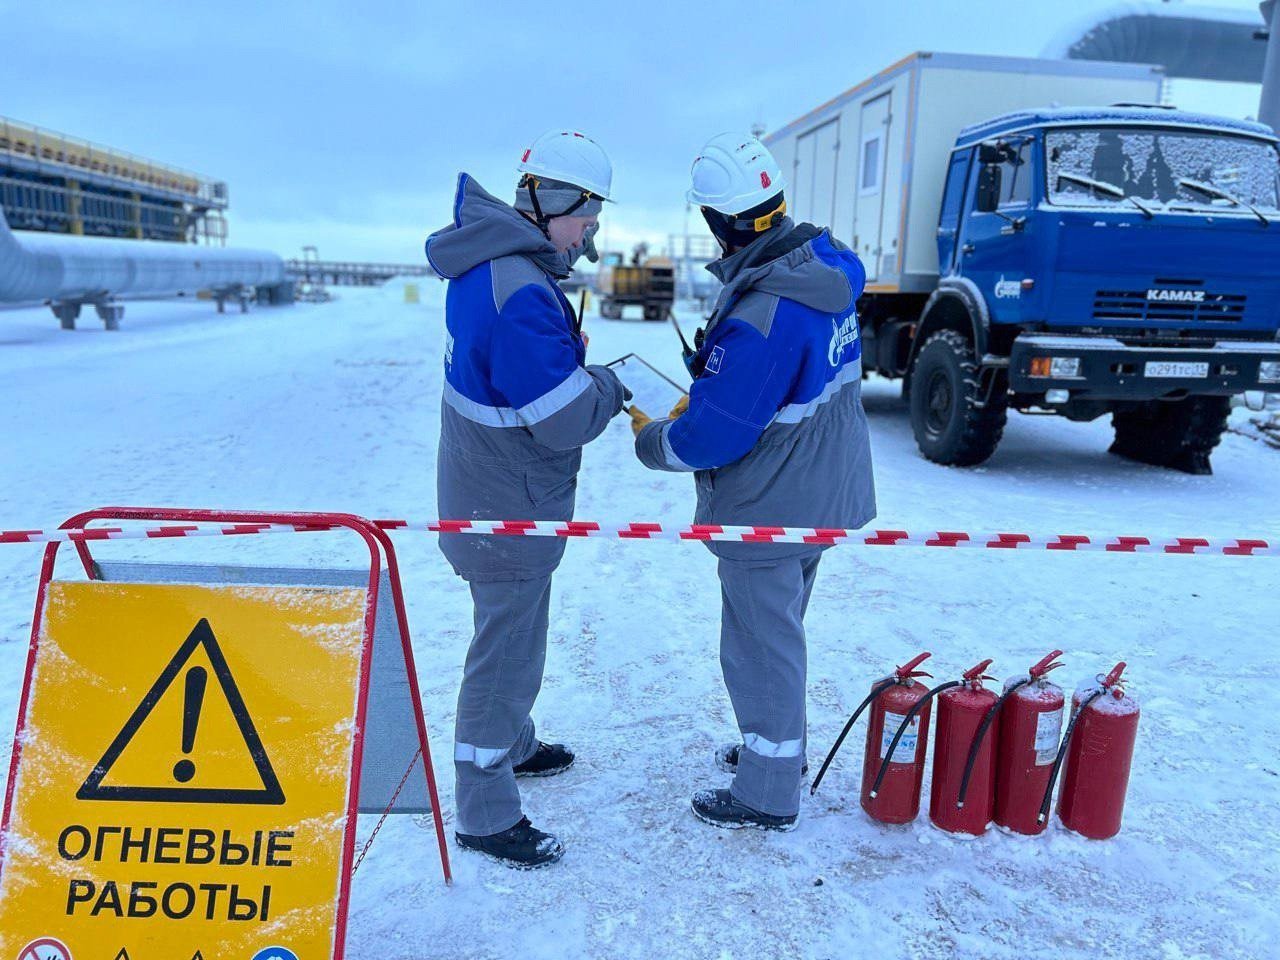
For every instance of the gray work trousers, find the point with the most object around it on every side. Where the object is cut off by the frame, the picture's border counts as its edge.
(501, 680)
(762, 654)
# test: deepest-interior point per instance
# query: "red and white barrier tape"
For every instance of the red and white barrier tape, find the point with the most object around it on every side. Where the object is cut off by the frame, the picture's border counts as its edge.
(819, 536)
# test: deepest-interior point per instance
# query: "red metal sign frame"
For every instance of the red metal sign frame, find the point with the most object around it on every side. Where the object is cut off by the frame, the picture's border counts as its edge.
(380, 547)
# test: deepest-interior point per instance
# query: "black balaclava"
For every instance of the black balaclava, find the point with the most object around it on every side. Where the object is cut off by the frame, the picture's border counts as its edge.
(740, 229)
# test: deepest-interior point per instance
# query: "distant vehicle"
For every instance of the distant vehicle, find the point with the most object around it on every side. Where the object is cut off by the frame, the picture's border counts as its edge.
(647, 282)
(1069, 260)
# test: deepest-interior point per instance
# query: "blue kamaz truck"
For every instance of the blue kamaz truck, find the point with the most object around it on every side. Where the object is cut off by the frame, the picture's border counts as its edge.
(1079, 261)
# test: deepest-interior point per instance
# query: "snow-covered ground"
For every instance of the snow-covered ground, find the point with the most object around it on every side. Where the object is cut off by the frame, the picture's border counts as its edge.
(335, 407)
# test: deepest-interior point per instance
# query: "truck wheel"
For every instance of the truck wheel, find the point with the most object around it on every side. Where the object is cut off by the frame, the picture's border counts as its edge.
(654, 311)
(947, 414)
(610, 310)
(1179, 435)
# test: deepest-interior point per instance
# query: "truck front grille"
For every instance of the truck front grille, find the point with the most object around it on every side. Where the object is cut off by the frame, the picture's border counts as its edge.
(1200, 306)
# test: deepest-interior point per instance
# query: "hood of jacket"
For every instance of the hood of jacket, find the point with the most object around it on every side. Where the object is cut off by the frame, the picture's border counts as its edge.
(784, 262)
(485, 228)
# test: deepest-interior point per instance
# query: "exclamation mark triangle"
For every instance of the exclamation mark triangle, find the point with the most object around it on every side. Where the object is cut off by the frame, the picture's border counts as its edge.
(267, 792)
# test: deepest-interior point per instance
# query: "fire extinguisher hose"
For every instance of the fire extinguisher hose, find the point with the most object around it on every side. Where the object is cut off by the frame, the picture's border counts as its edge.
(979, 736)
(902, 728)
(876, 690)
(1062, 752)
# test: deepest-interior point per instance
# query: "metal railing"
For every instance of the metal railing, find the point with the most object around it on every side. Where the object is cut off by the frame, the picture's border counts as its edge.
(34, 148)
(341, 273)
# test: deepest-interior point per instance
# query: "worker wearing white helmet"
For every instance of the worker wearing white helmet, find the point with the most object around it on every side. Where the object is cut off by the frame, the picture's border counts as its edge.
(519, 404)
(775, 435)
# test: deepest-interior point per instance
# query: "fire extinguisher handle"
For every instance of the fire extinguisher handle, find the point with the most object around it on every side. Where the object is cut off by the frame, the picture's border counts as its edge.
(1062, 752)
(902, 727)
(876, 690)
(908, 669)
(1045, 665)
(1114, 676)
(980, 735)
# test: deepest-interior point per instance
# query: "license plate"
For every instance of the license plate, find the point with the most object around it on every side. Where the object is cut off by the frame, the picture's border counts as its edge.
(1180, 369)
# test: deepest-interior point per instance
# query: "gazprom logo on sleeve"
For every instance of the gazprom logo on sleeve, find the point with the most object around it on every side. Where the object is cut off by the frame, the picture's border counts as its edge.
(714, 361)
(842, 334)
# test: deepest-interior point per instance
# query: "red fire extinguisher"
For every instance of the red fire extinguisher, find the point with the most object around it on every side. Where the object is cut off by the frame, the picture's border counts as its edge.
(890, 699)
(1028, 720)
(962, 756)
(1099, 750)
(894, 794)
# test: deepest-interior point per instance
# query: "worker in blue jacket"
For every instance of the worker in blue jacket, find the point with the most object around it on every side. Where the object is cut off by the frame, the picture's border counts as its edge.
(519, 404)
(775, 435)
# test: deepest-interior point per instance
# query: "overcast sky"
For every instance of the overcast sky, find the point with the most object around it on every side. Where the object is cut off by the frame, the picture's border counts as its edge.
(344, 124)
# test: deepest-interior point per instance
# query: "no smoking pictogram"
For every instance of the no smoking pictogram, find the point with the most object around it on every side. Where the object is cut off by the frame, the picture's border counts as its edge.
(45, 948)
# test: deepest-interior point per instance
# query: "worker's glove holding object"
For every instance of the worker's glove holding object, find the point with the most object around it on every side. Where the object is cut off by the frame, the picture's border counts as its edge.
(682, 406)
(638, 419)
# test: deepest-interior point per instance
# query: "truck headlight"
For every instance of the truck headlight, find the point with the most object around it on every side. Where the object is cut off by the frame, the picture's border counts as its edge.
(1055, 367)
(1269, 371)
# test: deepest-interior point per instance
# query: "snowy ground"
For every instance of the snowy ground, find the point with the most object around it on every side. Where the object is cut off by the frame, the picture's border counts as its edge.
(335, 407)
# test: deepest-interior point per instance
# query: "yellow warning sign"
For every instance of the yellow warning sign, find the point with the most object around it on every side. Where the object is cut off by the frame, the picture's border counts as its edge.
(184, 776)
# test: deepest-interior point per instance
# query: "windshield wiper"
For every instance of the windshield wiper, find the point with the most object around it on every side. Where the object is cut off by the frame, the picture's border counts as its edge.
(1110, 189)
(1211, 191)
(1146, 211)
(1100, 185)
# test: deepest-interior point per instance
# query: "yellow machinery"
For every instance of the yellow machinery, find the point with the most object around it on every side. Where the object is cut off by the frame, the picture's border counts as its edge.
(649, 282)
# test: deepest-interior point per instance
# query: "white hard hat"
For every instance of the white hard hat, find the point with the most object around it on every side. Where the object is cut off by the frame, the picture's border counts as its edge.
(570, 157)
(734, 172)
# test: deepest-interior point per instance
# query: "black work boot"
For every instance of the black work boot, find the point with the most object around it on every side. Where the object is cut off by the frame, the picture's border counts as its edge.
(727, 759)
(522, 847)
(718, 808)
(546, 761)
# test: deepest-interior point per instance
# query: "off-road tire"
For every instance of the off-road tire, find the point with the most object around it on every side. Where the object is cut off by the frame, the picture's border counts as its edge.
(1178, 434)
(948, 416)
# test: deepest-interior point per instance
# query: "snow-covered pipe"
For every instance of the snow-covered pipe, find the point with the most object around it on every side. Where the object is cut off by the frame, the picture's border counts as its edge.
(54, 266)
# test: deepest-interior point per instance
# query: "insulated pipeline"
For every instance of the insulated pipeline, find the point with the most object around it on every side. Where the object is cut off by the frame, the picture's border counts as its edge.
(52, 266)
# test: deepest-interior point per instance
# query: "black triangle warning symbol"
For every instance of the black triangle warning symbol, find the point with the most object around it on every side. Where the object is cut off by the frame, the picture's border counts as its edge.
(122, 955)
(267, 792)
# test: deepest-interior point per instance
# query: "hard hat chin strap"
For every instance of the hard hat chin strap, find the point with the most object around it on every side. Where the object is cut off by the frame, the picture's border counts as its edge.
(530, 183)
(759, 224)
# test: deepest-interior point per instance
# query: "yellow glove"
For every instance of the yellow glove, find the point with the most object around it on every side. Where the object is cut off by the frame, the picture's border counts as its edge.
(638, 419)
(682, 406)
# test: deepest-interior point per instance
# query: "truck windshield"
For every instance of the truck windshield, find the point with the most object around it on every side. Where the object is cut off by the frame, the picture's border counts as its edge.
(1154, 165)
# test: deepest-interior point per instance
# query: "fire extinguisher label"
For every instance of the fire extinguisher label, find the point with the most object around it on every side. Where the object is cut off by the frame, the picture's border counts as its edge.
(1048, 732)
(906, 749)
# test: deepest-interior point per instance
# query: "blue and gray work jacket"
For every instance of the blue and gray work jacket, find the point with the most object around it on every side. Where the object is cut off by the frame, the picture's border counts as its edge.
(775, 432)
(519, 403)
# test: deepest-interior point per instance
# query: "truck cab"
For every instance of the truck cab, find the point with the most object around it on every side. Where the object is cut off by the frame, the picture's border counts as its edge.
(1099, 260)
